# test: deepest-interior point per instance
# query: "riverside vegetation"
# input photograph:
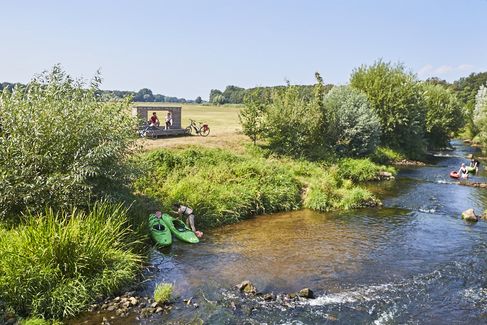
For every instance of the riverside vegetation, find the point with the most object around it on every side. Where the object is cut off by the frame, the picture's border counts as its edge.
(75, 192)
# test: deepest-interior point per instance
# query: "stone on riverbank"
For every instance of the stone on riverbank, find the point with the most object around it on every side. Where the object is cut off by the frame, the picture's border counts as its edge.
(469, 215)
(306, 293)
(247, 287)
(268, 297)
(385, 175)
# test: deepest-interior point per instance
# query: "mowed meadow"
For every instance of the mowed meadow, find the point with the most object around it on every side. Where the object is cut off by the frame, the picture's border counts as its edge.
(223, 121)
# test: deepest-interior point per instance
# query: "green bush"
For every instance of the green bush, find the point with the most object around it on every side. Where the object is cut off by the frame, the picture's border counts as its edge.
(55, 264)
(163, 292)
(291, 123)
(385, 155)
(60, 145)
(330, 192)
(357, 127)
(361, 170)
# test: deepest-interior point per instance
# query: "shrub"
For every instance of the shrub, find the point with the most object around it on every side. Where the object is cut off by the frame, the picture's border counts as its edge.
(444, 114)
(163, 292)
(291, 123)
(55, 264)
(357, 126)
(252, 115)
(361, 170)
(385, 155)
(330, 192)
(60, 145)
(395, 95)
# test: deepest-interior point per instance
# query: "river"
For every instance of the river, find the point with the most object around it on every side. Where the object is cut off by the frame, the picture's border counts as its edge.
(412, 261)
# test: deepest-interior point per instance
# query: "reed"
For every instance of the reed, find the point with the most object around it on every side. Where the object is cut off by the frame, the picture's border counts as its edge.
(55, 264)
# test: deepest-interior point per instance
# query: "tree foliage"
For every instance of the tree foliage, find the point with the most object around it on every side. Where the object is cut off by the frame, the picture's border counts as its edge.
(466, 90)
(313, 125)
(252, 116)
(480, 114)
(60, 145)
(444, 114)
(395, 96)
(356, 128)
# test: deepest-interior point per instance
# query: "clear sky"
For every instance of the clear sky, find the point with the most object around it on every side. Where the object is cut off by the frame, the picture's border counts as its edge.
(185, 48)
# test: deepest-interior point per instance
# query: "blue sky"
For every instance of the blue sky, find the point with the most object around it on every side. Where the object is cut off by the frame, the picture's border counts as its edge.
(185, 48)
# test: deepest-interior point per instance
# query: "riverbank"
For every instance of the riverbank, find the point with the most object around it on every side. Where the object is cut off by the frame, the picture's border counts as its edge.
(223, 187)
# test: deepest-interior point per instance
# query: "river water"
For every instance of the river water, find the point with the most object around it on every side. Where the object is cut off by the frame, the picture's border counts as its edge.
(413, 261)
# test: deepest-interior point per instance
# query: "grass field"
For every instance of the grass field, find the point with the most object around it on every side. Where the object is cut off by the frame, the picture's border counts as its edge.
(223, 121)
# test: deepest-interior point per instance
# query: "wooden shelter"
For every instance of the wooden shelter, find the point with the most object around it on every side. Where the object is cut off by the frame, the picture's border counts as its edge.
(144, 112)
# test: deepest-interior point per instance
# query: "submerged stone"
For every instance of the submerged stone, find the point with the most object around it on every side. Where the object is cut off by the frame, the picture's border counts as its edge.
(469, 215)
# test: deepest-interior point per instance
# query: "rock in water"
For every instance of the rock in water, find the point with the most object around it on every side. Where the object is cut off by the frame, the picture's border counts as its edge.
(469, 215)
(247, 287)
(306, 293)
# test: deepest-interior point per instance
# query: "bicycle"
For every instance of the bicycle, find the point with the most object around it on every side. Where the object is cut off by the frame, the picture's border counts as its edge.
(202, 129)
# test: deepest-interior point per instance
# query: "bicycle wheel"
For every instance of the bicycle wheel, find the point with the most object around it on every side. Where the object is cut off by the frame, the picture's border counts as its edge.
(189, 130)
(204, 132)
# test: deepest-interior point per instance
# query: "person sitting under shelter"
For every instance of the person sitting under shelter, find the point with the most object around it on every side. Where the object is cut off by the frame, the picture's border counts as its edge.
(154, 120)
(168, 120)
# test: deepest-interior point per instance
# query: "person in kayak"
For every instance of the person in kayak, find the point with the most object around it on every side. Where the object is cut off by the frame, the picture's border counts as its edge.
(183, 210)
(475, 164)
(463, 172)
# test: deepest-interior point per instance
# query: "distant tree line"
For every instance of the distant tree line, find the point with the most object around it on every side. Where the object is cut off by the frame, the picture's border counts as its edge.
(236, 95)
(143, 95)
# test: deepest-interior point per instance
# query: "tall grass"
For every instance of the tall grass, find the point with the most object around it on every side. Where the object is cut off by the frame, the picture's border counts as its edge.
(163, 292)
(223, 187)
(55, 264)
(361, 170)
(386, 155)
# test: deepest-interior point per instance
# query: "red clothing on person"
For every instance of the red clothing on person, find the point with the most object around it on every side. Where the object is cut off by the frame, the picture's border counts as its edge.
(153, 119)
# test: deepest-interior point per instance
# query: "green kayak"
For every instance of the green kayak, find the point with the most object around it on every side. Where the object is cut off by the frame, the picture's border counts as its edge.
(471, 170)
(179, 229)
(159, 232)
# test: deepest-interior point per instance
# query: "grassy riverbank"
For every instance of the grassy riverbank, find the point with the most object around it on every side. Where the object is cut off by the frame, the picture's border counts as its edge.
(55, 264)
(224, 187)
